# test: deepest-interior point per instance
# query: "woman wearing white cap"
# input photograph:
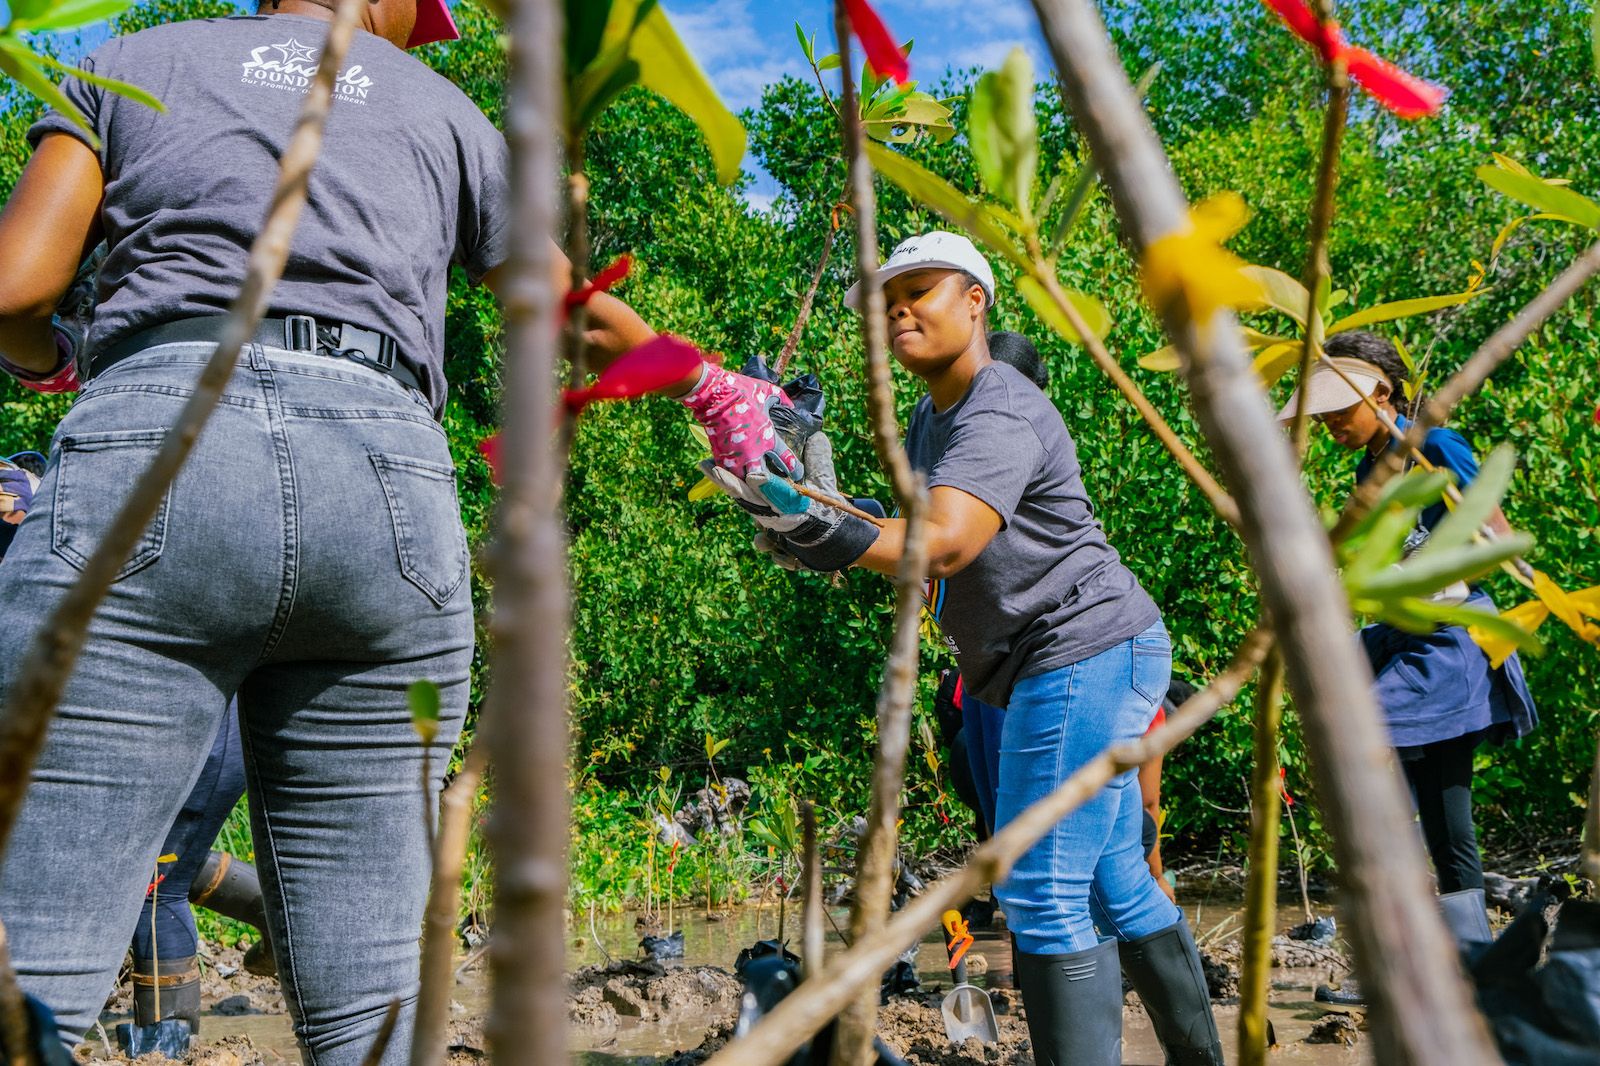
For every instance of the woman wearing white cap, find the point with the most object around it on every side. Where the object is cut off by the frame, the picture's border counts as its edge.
(1438, 692)
(1047, 623)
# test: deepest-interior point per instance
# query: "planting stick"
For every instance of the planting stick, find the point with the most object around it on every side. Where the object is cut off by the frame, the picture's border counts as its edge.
(525, 720)
(859, 968)
(1422, 1010)
(876, 857)
(1261, 891)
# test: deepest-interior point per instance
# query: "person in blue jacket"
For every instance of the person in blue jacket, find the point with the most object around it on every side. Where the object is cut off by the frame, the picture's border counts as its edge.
(1439, 694)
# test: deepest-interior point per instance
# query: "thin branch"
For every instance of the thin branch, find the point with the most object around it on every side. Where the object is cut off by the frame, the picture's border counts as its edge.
(1214, 493)
(804, 1012)
(1589, 861)
(876, 858)
(525, 722)
(1317, 267)
(1261, 892)
(806, 302)
(444, 904)
(380, 1043)
(1422, 1009)
(1436, 407)
(33, 696)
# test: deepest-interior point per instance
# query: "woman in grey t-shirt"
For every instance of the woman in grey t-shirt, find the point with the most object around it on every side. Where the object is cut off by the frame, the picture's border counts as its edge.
(1046, 622)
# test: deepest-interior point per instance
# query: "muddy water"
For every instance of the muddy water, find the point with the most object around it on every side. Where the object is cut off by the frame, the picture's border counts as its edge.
(716, 943)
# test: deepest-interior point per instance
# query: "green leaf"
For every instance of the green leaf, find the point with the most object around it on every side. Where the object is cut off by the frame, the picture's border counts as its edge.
(1281, 292)
(423, 697)
(586, 26)
(1478, 502)
(1402, 309)
(1541, 195)
(121, 88)
(829, 62)
(1416, 489)
(1594, 34)
(1092, 311)
(927, 188)
(1083, 186)
(1422, 575)
(805, 43)
(1004, 133)
(23, 10)
(1381, 547)
(18, 61)
(65, 16)
(666, 67)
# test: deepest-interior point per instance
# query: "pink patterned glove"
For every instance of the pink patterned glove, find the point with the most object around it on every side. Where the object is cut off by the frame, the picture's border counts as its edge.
(733, 409)
(63, 377)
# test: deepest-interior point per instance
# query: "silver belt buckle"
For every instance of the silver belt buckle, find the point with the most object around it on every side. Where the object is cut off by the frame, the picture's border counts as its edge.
(300, 334)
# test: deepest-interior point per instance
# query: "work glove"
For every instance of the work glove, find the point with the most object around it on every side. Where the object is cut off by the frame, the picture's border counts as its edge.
(736, 412)
(815, 535)
(17, 487)
(71, 321)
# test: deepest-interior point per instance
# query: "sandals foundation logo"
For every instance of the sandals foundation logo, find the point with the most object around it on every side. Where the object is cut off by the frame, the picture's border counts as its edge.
(290, 66)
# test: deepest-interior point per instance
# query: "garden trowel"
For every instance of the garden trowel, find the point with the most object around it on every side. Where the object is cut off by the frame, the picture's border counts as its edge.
(967, 1010)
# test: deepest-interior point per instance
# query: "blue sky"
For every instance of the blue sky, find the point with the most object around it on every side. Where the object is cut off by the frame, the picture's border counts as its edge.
(746, 44)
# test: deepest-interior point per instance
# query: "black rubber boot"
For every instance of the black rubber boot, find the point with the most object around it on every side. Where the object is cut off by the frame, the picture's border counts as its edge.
(1466, 915)
(1166, 972)
(232, 888)
(167, 989)
(1074, 1006)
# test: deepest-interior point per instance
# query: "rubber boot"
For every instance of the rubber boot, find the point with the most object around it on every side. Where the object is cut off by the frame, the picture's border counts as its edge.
(232, 888)
(1466, 915)
(1166, 971)
(1074, 1006)
(166, 1008)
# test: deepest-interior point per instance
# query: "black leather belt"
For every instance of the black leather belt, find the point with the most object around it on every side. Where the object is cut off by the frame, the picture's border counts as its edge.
(295, 333)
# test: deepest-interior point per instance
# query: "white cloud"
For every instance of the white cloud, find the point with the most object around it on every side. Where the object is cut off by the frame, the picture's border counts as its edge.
(739, 59)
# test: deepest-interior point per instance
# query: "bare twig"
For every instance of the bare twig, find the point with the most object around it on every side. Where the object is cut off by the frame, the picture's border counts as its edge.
(1317, 267)
(1422, 1010)
(32, 698)
(1214, 493)
(806, 302)
(444, 905)
(875, 860)
(1261, 894)
(835, 502)
(525, 723)
(1436, 407)
(1589, 861)
(380, 1043)
(812, 938)
(804, 1012)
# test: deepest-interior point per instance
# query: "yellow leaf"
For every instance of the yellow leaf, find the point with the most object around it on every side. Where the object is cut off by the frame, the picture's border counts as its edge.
(1505, 162)
(698, 432)
(1276, 360)
(933, 760)
(1587, 601)
(704, 489)
(1527, 616)
(1164, 360)
(1189, 271)
(1563, 607)
(1279, 292)
(169, 857)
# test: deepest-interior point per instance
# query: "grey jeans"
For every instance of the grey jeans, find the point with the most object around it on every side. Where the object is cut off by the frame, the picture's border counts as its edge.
(310, 559)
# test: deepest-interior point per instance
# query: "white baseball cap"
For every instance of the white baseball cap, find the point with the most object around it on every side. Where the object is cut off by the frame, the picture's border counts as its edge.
(1327, 391)
(939, 249)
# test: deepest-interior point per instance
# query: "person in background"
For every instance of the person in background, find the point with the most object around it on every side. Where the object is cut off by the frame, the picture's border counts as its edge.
(1440, 696)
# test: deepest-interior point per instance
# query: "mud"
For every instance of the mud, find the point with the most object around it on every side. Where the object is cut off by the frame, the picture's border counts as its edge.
(647, 992)
(226, 1051)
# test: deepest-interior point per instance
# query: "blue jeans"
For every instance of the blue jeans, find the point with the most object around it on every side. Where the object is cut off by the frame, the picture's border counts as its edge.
(166, 927)
(982, 723)
(309, 561)
(1090, 870)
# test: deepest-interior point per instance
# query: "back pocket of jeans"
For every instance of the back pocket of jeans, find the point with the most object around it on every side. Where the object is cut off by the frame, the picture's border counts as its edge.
(1152, 667)
(428, 537)
(94, 475)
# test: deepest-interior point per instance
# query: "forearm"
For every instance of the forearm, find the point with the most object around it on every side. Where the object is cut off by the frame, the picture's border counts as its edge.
(28, 341)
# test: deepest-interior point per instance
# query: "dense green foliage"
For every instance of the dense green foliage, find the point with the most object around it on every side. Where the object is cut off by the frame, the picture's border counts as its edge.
(680, 629)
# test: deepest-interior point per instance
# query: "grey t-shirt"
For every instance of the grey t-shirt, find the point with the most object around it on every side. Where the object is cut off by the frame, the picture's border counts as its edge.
(1048, 590)
(412, 178)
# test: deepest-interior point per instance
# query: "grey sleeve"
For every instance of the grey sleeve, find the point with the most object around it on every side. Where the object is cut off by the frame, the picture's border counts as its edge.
(86, 98)
(993, 454)
(484, 217)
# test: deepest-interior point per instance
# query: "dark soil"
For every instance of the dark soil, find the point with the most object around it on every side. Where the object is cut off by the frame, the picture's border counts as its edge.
(601, 996)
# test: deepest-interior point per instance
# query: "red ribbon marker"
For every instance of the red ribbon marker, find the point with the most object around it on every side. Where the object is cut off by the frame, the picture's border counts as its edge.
(1405, 94)
(876, 40)
(601, 282)
(1283, 786)
(653, 365)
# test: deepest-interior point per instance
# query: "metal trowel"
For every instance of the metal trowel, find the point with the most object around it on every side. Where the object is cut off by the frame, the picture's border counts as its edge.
(966, 1009)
